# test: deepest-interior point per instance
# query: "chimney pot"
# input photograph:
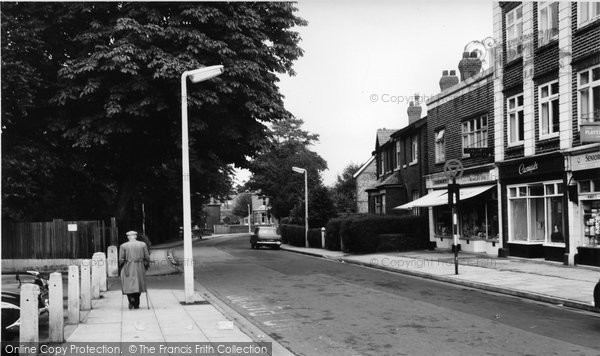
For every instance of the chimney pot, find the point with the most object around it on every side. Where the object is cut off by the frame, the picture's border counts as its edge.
(448, 81)
(445, 73)
(452, 72)
(469, 65)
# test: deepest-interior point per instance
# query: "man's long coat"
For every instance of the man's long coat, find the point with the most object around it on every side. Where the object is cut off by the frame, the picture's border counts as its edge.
(133, 256)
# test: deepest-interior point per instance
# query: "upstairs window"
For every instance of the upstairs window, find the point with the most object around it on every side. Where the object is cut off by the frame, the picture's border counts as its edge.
(547, 22)
(549, 110)
(587, 12)
(514, 33)
(414, 155)
(475, 133)
(398, 154)
(588, 88)
(440, 148)
(516, 128)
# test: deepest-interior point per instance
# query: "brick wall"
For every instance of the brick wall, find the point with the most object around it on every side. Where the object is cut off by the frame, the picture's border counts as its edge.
(450, 115)
(363, 181)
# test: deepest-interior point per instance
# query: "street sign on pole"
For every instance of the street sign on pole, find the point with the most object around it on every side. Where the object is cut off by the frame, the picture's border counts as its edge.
(453, 169)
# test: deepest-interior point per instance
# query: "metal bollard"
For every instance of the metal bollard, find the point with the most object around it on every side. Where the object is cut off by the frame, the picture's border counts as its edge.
(56, 325)
(28, 330)
(112, 261)
(102, 266)
(95, 276)
(73, 308)
(322, 237)
(86, 288)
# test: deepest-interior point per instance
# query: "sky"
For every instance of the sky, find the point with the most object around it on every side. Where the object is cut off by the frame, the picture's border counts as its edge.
(365, 60)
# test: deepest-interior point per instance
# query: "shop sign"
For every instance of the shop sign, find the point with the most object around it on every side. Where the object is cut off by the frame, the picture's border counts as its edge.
(590, 133)
(478, 152)
(592, 196)
(442, 181)
(584, 161)
(532, 167)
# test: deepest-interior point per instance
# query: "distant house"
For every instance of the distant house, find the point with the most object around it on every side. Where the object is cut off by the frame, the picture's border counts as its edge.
(260, 210)
(364, 178)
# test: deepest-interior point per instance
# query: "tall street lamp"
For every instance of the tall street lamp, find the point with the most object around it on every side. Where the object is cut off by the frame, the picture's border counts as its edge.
(195, 76)
(302, 170)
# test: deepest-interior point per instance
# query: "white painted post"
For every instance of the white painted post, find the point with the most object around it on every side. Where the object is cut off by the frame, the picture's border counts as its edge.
(95, 276)
(112, 261)
(28, 330)
(323, 237)
(73, 304)
(102, 266)
(56, 325)
(86, 288)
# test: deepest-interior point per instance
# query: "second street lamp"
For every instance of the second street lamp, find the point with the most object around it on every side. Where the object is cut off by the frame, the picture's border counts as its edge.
(195, 76)
(302, 170)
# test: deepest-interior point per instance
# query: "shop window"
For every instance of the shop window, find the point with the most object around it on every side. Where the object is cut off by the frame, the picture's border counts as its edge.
(547, 22)
(474, 133)
(536, 213)
(591, 221)
(588, 88)
(549, 110)
(585, 186)
(440, 148)
(514, 33)
(478, 218)
(587, 12)
(516, 128)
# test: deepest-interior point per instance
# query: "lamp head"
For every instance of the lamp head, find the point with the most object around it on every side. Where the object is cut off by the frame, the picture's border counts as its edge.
(299, 170)
(202, 74)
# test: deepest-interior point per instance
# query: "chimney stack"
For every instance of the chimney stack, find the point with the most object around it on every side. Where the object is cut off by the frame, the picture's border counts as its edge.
(469, 65)
(414, 111)
(448, 80)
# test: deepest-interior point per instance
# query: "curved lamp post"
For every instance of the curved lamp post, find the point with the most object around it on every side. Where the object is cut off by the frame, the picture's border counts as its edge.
(195, 76)
(302, 170)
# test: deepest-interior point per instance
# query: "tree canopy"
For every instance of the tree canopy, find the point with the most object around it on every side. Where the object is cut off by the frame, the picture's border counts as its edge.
(91, 121)
(344, 190)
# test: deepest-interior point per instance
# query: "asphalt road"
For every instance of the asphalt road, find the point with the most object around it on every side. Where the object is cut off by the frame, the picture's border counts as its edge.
(314, 306)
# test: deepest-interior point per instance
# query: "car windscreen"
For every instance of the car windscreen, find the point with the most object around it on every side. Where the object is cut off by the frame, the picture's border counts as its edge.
(267, 232)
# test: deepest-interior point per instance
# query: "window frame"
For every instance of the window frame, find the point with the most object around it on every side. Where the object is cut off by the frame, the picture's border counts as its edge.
(523, 192)
(440, 145)
(589, 88)
(515, 111)
(473, 132)
(414, 150)
(552, 9)
(514, 42)
(589, 9)
(548, 100)
(397, 145)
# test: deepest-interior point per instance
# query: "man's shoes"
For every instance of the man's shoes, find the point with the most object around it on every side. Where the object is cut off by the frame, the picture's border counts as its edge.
(130, 305)
(136, 307)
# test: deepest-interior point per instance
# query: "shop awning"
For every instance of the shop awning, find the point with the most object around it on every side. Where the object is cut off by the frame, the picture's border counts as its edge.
(435, 198)
(440, 197)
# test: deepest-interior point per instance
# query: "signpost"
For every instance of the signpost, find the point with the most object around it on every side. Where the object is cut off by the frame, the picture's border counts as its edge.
(454, 169)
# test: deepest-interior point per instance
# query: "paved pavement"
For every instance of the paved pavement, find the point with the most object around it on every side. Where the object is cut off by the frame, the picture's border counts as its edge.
(545, 281)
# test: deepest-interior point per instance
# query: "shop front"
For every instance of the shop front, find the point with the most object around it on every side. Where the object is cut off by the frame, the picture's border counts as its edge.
(584, 203)
(534, 205)
(477, 212)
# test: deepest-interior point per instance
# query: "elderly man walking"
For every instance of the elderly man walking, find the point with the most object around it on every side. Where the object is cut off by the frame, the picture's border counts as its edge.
(134, 259)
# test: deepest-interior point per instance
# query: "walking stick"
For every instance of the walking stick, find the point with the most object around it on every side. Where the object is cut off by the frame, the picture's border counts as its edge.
(147, 303)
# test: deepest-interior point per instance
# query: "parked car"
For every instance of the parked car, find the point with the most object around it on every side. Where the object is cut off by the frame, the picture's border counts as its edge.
(11, 300)
(265, 236)
(597, 295)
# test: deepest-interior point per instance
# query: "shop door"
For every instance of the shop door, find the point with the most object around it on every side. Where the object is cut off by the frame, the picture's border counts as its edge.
(537, 224)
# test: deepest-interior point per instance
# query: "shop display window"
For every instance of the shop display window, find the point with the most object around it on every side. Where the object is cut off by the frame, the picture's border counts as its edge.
(536, 213)
(591, 212)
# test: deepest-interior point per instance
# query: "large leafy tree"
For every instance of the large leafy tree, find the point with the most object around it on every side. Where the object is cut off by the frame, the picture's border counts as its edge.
(344, 190)
(91, 102)
(272, 173)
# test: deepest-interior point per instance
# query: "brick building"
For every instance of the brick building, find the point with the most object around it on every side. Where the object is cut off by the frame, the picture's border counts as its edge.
(364, 178)
(401, 162)
(547, 87)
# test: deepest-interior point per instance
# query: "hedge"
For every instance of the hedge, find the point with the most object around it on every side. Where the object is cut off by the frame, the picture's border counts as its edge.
(332, 234)
(406, 232)
(294, 235)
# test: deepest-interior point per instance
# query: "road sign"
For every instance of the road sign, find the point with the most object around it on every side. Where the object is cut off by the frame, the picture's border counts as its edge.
(453, 169)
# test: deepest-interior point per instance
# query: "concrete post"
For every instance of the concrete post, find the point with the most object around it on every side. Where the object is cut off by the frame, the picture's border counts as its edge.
(323, 237)
(56, 313)
(86, 288)
(112, 260)
(28, 330)
(73, 307)
(95, 276)
(102, 266)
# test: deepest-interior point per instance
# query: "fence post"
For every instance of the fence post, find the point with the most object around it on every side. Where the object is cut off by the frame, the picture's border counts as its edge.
(112, 259)
(102, 267)
(323, 237)
(28, 330)
(56, 325)
(73, 308)
(95, 276)
(86, 301)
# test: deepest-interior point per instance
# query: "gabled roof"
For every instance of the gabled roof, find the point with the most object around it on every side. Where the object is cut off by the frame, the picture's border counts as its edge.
(391, 180)
(383, 136)
(363, 167)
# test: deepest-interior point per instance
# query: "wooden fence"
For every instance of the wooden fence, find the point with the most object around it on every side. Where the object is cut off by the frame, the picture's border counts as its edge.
(57, 239)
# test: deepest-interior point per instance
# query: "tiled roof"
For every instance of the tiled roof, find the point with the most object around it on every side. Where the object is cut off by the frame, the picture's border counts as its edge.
(383, 135)
(393, 179)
